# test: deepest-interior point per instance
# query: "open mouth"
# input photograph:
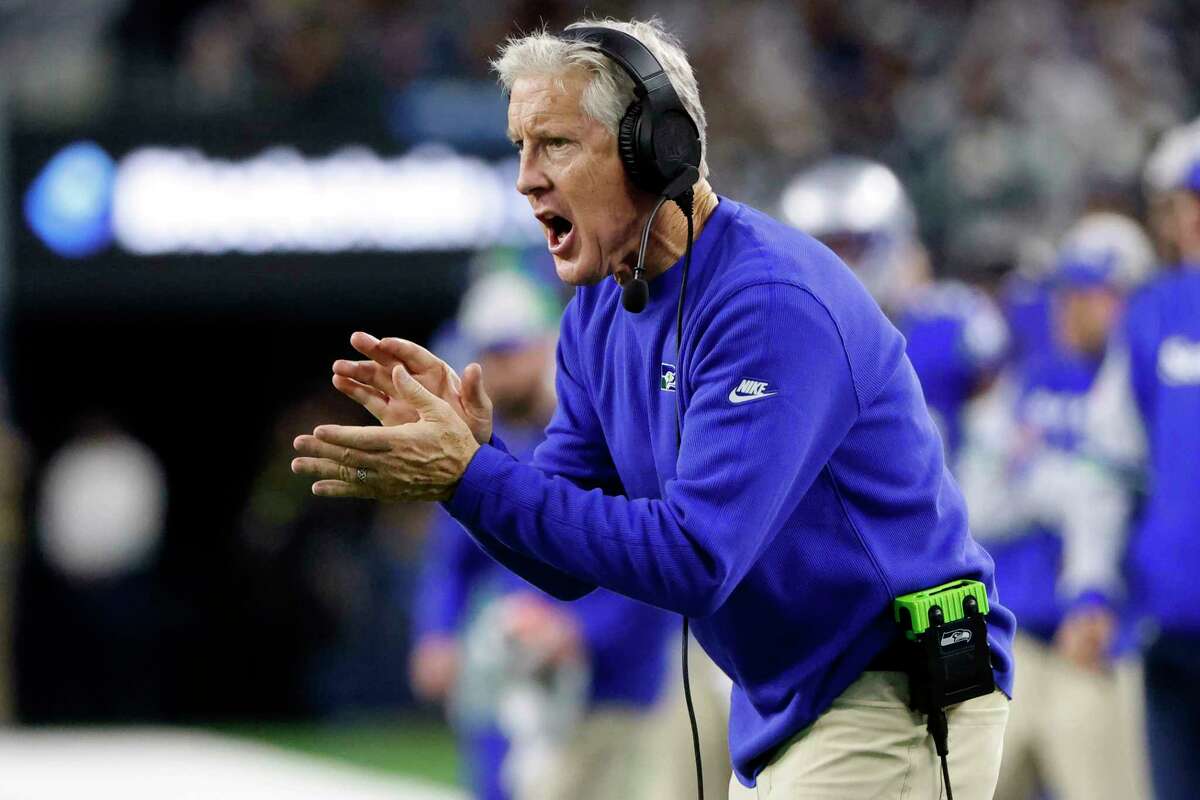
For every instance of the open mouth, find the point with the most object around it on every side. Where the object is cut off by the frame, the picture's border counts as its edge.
(559, 233)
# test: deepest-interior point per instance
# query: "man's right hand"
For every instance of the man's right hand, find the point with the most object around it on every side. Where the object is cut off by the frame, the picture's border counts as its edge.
(370, 383)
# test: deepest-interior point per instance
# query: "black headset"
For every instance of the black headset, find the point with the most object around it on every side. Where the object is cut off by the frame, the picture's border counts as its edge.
(657, 139)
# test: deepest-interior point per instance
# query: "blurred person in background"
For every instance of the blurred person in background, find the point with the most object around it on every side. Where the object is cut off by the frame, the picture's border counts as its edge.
(1142, 428)
(1075, 724)
(550, 700)
(1171, 204)
(956, 337)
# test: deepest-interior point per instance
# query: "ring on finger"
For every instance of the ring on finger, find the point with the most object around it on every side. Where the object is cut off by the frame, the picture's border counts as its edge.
(361, 474)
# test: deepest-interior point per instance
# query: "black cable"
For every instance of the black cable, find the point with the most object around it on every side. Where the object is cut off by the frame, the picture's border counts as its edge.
(687, 697)
(646, 232)
(685, 203)
(939, 729)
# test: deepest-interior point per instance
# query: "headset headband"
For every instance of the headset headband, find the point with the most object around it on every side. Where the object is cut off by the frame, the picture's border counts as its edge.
(650, 81)
(658, 139)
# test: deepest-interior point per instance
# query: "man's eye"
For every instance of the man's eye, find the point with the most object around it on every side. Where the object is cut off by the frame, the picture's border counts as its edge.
(557, 142)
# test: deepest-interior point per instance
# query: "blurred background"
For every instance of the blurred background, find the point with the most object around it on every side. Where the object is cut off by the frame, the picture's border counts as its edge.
(200, 201)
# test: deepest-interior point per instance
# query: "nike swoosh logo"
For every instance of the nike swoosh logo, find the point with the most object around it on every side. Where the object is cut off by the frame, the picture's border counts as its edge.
(734, 397)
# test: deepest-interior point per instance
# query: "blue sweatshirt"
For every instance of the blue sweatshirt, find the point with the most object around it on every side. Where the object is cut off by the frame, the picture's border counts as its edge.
(625, 639)
(1162, 331)
(809, 489)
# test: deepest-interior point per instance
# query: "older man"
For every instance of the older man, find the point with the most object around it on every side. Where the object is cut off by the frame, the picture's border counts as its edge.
(806, 488)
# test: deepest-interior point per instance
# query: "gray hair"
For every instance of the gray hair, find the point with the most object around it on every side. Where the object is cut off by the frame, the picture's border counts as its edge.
(610, 90)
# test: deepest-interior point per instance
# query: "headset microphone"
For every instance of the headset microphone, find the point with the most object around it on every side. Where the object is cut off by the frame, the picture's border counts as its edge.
(636, 292)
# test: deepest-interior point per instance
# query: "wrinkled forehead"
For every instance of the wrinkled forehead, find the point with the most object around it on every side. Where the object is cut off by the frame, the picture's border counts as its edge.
(541, 99)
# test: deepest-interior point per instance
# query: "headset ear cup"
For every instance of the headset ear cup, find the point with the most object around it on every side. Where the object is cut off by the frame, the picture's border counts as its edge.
(627, 144)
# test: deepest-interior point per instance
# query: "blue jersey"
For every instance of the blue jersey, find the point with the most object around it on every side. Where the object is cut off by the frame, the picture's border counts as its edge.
(809, 489)
(1162, 332)
(625, 639)
(957, 340)
(1050, 416)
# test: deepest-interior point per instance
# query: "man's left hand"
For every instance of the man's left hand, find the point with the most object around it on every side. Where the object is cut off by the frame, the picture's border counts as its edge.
(421, 460)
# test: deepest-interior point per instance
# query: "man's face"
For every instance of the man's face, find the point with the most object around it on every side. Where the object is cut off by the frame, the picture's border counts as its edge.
(1086, 315)
(516, 377)
(573, 177)
(1160, 213)
(1181, 224)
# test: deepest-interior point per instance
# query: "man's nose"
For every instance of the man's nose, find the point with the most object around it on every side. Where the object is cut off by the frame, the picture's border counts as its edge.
(531, 177)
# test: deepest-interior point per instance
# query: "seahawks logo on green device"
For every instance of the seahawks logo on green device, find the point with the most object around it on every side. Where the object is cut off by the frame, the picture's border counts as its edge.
(956, 636)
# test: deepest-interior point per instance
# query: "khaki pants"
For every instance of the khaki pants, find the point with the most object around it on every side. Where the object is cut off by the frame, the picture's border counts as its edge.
(1074, 732)
(870, 745)
(601, 761)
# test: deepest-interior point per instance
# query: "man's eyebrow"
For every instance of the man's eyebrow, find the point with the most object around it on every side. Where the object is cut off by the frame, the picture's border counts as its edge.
(543, 129)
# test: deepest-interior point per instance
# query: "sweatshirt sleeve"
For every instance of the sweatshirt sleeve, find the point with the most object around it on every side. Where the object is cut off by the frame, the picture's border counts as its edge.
(769, 396)
(533, 570)
(538, 574)
(575, 447)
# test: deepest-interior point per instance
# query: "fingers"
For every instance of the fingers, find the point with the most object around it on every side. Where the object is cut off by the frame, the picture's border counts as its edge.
(315, 448)
(334, 488)
(475, 403)
(474, 395)
(386, 354)
(368, 345)
(410, 389)
(370, 399)
(324, 461)
(369, 439)
(411, 354)
(368, 373)
(323, 469)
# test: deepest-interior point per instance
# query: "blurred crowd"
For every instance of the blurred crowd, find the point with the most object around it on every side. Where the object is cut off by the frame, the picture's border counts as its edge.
(1029, 172)
(1017, 108)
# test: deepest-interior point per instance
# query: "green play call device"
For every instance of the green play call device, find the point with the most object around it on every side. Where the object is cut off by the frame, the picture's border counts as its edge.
(947, 652)
(912, 610)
